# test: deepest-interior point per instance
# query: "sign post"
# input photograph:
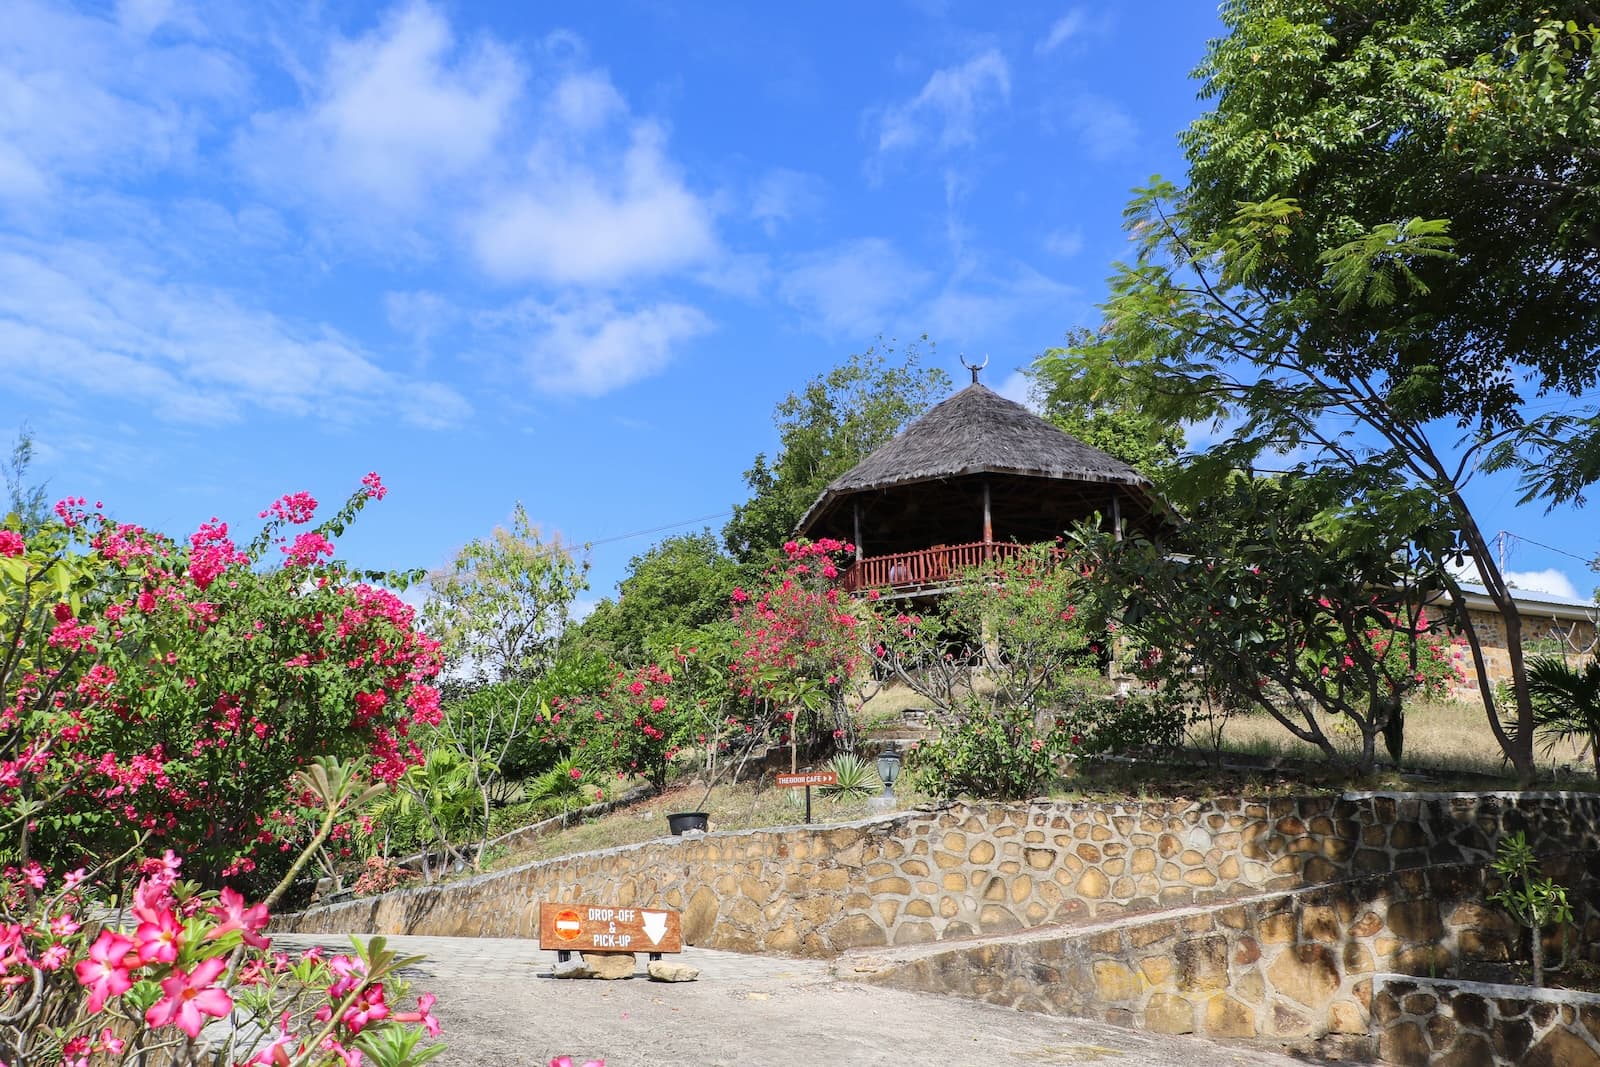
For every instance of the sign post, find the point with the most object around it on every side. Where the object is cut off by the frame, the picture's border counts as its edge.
(568, 928)
(795, 780)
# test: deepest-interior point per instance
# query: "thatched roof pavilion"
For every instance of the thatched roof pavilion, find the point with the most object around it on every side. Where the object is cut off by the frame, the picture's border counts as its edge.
(973, 475)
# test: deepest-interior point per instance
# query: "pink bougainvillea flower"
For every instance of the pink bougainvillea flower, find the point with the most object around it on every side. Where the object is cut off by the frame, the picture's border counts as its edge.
(567, 1061)
(11, 543)
(105, 971)
(188, 997)
(306, 548)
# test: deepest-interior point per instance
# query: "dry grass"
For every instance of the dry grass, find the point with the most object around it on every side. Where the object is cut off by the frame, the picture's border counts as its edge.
(1448, 736)
(744, 806)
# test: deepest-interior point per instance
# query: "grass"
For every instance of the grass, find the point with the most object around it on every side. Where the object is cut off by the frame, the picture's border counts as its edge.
(1447, 737)
(742, 806)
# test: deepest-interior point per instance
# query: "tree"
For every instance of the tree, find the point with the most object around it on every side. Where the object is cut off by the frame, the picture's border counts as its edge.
(1066, 398)
(823, 431)
(27, 501)
(500, 608)
(1386, 254)
(1277, 594)
(672, 589)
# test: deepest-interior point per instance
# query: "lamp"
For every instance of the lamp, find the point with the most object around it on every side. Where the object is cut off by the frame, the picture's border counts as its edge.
(888, 769)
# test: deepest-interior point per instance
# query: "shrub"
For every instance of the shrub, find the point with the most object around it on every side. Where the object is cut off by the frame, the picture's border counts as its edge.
(160, 691)
(1006, 754)
(379, 875)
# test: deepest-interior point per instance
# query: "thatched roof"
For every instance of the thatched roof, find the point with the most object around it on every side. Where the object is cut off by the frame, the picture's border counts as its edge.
(977, 431)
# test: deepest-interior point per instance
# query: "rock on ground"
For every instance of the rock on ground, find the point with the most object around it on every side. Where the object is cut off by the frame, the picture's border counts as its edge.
(669, 971)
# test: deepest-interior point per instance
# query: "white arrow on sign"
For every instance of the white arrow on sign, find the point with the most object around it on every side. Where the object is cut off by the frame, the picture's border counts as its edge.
(655, 925)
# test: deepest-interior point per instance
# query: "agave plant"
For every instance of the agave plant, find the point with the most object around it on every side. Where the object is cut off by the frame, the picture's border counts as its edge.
(856, 778)
(1566, 703)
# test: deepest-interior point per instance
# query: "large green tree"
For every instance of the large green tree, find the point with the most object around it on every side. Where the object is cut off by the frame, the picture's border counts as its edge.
(1385, 258)
(824, 430)
(672, 590)
(1070, 400)
(499, 609)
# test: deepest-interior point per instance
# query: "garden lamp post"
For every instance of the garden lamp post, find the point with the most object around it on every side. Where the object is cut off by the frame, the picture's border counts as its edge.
(888, 770)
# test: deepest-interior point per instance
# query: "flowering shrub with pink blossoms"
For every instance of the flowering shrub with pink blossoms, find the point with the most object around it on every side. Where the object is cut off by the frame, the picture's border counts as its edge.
(185, 698)
(163, 690)
(799, 656)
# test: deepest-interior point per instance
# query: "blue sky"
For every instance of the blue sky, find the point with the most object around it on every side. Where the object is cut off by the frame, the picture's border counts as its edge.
(564, 253)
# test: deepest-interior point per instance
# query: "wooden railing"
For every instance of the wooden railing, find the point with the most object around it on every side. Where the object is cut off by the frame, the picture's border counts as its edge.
(924, 567)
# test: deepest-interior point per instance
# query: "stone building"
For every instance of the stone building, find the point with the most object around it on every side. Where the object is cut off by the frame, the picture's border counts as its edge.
(1551, 626)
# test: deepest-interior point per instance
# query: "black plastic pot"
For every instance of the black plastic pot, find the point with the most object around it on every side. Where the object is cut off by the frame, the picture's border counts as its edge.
(687, 820)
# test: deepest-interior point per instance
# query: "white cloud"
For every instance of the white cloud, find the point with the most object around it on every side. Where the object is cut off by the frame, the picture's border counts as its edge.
(1019, 387)
(1549, 580)
(397, 114)
(591, 347)
(782, 195)
(410, 134)
(1104, 128)
(855, 288)
(1064, 243)
(83, 96)
(981, 301)
(74, 317)
(1062, 30)
(946, 111)
(586, 101)
(570, 221)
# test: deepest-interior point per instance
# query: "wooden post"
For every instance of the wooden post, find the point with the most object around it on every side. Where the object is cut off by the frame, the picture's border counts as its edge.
(988, 521)
(857, 508)
(1116, 516)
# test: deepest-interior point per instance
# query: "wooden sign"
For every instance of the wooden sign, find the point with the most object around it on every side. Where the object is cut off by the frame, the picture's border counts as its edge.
(807, 778)
(587, 928)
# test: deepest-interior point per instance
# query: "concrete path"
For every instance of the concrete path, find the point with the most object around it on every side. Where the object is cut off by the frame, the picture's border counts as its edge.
(498, 1006)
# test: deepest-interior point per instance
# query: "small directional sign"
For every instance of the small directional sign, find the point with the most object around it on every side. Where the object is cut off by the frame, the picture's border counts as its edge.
(591, 928)
(807, 778)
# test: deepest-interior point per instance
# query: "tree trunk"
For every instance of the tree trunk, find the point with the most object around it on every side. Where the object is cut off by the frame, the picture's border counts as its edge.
(1517, 747)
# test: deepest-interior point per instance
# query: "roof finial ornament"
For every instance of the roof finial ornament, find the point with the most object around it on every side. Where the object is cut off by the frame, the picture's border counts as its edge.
(972, 368)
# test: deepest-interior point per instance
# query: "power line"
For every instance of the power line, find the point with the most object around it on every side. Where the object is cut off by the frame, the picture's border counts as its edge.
(1547, 548)
(656, 529)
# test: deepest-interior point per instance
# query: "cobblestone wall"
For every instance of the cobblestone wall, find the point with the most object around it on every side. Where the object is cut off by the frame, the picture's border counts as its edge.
(1288, 966)
(1421, 1022)
(1574, 637)
(931, 876)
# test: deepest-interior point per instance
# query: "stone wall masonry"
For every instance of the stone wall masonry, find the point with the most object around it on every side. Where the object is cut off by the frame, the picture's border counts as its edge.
(1296, 967)
(937, 875)
(1425, 1022)
(1575, 637)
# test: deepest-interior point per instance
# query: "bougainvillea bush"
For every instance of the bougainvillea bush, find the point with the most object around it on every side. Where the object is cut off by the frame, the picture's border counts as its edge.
(798, 661)
(201, 705)
(159, 693)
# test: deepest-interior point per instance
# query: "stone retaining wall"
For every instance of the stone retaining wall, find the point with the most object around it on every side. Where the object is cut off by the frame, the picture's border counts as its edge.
(1423, 1022)
(1293, 967)
(936, 875)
